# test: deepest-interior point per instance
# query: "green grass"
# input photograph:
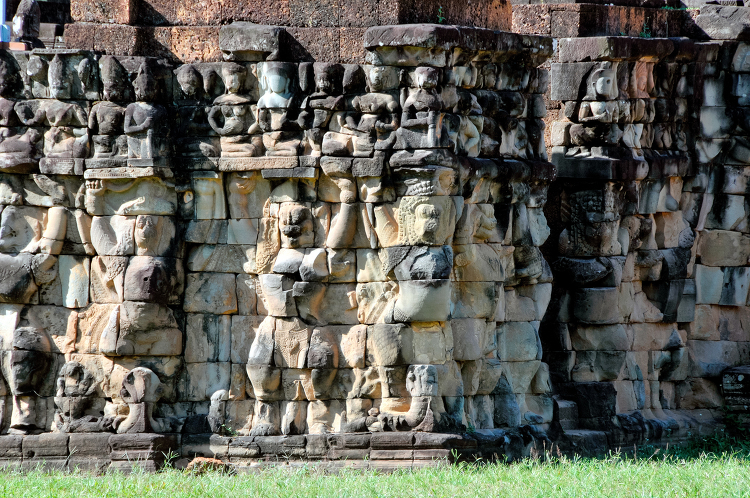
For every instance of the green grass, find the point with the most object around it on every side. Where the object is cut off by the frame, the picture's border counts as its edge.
(708, 467)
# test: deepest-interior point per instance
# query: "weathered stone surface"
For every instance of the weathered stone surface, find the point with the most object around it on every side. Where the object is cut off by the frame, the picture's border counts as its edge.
(210, 293)
(724, 22)
(367, 245)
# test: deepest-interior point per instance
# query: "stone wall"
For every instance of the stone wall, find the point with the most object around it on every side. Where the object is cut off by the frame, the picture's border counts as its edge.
(324, 30)
(468, 242)
(620, 337)
(648, 305)
(266, 247)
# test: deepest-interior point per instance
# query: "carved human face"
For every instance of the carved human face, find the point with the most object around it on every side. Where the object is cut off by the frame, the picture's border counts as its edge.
(36, 68)
(427, 77)
(427, 222)
(189, 81)
(642, 73)
(603, 84)
(295, 223)
(377, 78)
(145, 230)
(242, 183)
(144, 85)
(486, 224)
(278, 82)
(324, 81)
(232, 81)
(57, 75)
(114, 79)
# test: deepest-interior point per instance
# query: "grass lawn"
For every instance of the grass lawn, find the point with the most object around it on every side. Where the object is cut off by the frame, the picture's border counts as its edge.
(712, 467)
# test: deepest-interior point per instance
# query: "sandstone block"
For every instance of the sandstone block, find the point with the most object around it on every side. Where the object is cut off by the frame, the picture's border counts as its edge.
(210, 293)
(604, 337)
(724, 22)
(208, 338)
(518, 341)
(204, 379)
(74, 277)
(148, 329)
(698, 393)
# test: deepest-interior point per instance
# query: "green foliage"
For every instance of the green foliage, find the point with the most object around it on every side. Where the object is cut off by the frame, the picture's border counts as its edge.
(645, 32)
(709, 466)
(229, 431)
(169, 459)
(441, 15)
(736, 426)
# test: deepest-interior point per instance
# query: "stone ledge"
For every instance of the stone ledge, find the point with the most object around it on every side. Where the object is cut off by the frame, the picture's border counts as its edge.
(460, 44)
(721, 22)
(384, 451)
(565, 20)
(494, 14)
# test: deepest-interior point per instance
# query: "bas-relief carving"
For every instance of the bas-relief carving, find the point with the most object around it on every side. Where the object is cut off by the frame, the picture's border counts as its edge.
(375, 224)
(629, 250)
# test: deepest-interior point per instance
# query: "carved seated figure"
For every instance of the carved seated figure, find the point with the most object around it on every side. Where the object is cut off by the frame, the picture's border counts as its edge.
(421, 116)
(379, 107)
(106, 123)
(20, 146)
(75, 401)
(327, 104)
(66, 142)
(319, 106)
(598, 114)
(233, 123)
(274, 113)
(145, 122)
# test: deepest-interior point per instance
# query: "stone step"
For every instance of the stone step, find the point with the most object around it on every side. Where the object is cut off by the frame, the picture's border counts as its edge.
(566, 412)
(585, 442)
